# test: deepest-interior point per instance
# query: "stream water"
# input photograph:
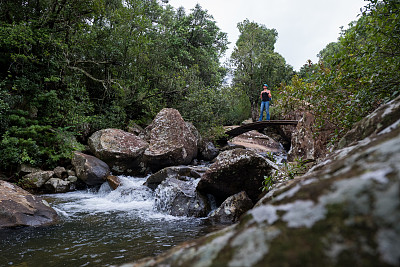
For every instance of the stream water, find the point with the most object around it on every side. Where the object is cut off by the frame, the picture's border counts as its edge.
(102, 228)
(99, 228)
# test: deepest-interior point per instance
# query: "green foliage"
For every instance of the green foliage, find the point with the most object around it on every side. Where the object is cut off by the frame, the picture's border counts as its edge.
(74, 67)
(211, 107)
(33, 144)
(267, 183)
(354, 76)
(293, 169)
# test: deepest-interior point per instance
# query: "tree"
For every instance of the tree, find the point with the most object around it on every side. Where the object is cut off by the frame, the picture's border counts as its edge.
(69, 68)
(354, 75)
(255, 62)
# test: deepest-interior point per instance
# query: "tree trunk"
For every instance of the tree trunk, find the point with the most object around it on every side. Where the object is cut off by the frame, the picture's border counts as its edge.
(254, 111)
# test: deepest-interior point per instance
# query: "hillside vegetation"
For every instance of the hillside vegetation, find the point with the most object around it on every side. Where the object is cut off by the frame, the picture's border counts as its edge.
(69, 68)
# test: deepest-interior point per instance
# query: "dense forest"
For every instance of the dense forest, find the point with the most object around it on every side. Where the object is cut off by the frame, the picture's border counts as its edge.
(69, 68)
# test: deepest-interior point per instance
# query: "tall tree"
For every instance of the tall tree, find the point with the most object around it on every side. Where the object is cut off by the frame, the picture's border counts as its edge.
(255, 62)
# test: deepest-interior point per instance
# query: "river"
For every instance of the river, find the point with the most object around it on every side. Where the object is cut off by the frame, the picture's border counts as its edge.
(99, 228)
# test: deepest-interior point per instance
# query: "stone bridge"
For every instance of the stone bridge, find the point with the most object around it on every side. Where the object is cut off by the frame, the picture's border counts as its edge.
(254, 126)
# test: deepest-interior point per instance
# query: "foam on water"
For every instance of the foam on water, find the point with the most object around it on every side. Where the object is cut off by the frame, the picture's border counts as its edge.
(130, 198)
(100, 228)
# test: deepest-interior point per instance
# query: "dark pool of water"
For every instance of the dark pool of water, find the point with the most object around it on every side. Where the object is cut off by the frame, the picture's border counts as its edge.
(102, 228)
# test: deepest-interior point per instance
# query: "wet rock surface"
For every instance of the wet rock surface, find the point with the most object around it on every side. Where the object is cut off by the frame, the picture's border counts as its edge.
(183, 173)
(180, 198)
(20, 208)
(343, 212)
(113, 181)
(235, 171)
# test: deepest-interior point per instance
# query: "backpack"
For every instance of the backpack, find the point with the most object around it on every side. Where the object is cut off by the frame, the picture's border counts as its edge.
(265, 96)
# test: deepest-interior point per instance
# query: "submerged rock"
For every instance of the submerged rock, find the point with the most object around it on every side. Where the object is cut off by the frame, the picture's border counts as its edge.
(20, 208)
(172, 141)
(235, 171)
(343, 212)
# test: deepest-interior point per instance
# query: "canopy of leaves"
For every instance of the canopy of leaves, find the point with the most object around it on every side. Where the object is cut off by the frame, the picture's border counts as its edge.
(354, 75)
(69, 68)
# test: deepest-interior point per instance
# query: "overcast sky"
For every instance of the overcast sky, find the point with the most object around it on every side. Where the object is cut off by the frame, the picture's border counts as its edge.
(304, 27)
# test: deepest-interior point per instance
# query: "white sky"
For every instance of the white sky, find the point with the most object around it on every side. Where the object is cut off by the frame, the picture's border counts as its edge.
(304, 27)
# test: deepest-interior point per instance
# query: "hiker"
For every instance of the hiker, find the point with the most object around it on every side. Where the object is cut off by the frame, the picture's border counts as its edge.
(265, 98)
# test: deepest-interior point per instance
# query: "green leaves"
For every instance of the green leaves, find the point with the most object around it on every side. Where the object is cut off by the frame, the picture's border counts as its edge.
(72, 67)
(354, 76)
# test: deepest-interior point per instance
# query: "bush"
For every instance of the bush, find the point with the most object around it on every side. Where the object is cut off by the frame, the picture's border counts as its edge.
(37, 145)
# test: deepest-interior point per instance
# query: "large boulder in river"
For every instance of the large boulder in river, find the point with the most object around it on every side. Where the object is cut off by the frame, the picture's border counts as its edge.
(89, 169)
(343, 212)
(234, 171)
(20, 208)
(172, 142)
(180, 198)
(122, 151)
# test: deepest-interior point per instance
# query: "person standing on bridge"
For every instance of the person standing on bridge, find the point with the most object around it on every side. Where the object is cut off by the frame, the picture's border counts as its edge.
(265, 98)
